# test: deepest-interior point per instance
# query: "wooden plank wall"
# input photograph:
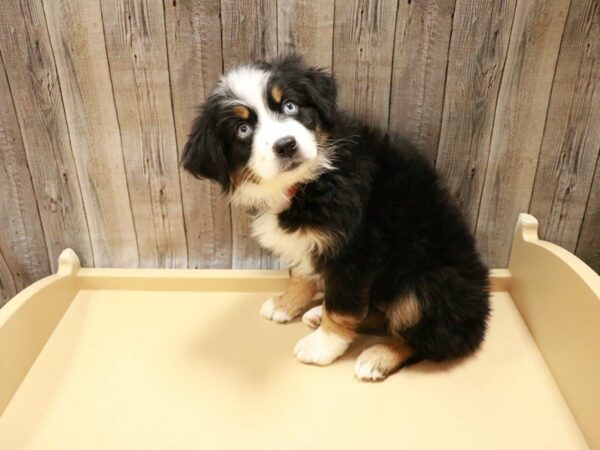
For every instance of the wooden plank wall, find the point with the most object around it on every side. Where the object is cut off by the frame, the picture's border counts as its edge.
(97, 96)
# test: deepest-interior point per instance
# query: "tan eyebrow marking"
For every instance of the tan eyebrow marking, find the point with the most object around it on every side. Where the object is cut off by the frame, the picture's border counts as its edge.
(241, 111)
(277, 94)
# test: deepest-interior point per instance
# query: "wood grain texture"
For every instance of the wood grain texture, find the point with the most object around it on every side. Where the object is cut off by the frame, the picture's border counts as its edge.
(482, 31)
(363, 48)
(137, 57)
(519, 123)
(8, 289)
(195, 62)
(588, 244)
(31, 71)
(571, 142)
(23, 253)
(75, 28)
(306, 27)
(420, 60)
(249, 34)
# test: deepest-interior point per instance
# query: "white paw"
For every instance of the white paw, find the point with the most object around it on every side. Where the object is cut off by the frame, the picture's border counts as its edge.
(270, 311)
(366, 370)
(313, 316)
(320, 347)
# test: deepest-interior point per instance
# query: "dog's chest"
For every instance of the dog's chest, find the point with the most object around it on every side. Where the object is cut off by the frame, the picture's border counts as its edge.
(294, 248)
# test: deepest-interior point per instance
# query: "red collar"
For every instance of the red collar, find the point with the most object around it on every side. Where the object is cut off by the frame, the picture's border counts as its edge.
(292, 191)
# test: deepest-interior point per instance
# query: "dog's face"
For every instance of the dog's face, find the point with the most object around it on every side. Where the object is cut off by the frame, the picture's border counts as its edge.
(264, 125)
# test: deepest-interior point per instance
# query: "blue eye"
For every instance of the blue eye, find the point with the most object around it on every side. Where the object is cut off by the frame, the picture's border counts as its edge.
(244, 130)
(289, 107)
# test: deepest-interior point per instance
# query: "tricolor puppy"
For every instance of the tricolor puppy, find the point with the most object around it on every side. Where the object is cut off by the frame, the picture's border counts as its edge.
(345, 205)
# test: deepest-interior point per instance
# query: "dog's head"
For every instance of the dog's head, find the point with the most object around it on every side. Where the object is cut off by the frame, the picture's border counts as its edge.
(263, 128)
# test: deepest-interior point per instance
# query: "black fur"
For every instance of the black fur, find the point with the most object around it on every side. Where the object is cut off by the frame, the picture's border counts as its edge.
(204, 154)
(310, 87)
(400, 234)
(397, 230)
(212, 150)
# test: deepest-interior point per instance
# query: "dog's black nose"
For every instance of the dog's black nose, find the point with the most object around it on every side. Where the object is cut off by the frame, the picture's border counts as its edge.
(285, 147)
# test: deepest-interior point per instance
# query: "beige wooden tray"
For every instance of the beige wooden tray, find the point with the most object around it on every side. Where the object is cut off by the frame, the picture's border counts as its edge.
(180, 359)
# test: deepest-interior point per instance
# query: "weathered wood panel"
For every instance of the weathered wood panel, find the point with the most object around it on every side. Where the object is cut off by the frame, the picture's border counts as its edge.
(31, 71)
(420, 60)
(588, 244)
(23, 253)
(249, 34)
(137, 58)
(306, 27)
(75, 28)
(363, 45)
(572, 136)
(195, 64)
(482, 31)
(8, 289)
(519, 123)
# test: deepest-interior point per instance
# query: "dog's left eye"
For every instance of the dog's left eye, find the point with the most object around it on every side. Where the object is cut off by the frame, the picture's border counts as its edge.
(289, 107)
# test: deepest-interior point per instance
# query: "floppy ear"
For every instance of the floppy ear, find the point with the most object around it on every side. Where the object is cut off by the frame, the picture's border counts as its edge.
(322, 90)
(204, 153)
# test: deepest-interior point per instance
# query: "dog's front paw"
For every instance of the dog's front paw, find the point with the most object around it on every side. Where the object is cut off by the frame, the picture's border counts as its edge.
(313, 316)
(320, 347)
(269, 310)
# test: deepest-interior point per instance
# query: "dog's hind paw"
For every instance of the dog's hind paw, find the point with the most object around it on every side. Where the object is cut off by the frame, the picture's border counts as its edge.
(269, 310)
(378, 361)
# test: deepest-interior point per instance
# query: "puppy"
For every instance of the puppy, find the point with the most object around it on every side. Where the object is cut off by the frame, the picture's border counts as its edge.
(349, 206)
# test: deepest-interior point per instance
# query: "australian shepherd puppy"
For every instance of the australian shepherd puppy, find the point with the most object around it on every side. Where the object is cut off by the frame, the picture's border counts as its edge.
(348, 207)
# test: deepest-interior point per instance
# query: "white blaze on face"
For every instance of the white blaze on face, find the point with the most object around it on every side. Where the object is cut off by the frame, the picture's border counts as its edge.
(249, 85)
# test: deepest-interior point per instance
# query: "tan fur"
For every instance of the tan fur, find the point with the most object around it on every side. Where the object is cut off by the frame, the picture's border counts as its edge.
(298, 297)
(241, 111)
(403, 313)
(277, 94)
(387, 357)
(342, 325)
(323, 240)
(321, 137)
(246, 175)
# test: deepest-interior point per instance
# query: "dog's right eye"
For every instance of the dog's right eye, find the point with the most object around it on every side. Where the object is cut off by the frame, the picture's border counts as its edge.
(244, 130)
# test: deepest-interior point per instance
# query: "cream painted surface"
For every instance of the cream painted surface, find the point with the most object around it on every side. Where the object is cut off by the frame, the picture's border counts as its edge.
(185, 370)
(180, 359)
(559, 299)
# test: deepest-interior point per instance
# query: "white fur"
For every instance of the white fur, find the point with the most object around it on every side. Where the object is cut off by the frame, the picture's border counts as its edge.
(249, 85)
(321, 347)
(272, 194)
(313, 316)
(366, 370)
(293, 248)
(270, 311)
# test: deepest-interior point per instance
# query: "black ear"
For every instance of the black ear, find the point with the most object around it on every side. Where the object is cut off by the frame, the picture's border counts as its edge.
(204, 153)
(322, 90)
